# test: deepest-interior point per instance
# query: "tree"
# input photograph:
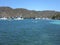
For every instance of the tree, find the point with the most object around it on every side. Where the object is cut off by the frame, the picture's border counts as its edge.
(57, 16)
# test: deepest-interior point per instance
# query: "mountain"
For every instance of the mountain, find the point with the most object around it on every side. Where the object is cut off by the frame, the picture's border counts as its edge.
(25, 13)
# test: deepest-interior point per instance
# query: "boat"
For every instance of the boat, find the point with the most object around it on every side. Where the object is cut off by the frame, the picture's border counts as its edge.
(37, 18)
(18, 18)
(3, 18)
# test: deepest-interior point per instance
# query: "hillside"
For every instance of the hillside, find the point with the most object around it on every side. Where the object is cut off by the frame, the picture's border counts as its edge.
(25, 13)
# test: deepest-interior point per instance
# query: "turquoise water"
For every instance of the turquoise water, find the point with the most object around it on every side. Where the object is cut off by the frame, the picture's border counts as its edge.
(30, 32)
(56, 22)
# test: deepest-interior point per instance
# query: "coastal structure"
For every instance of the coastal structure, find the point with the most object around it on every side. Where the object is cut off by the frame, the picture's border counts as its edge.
(43, 18)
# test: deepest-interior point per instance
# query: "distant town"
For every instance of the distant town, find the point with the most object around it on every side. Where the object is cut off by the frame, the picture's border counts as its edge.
(20, 18)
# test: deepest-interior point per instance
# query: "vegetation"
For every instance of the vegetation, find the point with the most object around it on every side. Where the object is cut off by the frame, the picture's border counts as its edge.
(57, 16)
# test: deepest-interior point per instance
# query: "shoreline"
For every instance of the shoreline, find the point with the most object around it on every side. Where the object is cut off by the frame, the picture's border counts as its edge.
(19, 18)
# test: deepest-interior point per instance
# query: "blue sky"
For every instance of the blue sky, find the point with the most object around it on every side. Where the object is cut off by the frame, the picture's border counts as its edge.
(32, 4)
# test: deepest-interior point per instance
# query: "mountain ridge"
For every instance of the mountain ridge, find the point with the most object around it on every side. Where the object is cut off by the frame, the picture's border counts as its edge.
(25, 13)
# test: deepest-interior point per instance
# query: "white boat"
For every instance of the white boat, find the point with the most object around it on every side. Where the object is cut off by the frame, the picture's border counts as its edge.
(37, 18)
(18, 18)
(43, 18)
(3, 18)
(47, 19)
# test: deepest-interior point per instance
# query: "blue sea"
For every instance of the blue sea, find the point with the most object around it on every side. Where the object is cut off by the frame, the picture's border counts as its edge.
(30, 32)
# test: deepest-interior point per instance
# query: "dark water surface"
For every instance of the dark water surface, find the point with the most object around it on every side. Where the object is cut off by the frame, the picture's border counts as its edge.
(30, 32)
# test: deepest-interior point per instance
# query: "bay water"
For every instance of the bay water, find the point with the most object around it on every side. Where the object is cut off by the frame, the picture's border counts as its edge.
(29, 32)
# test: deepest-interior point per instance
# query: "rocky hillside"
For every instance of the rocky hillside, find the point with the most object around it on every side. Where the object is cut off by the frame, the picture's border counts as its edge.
(10, 12)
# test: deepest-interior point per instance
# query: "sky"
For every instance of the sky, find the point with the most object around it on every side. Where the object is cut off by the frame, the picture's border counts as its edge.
(38, 5)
